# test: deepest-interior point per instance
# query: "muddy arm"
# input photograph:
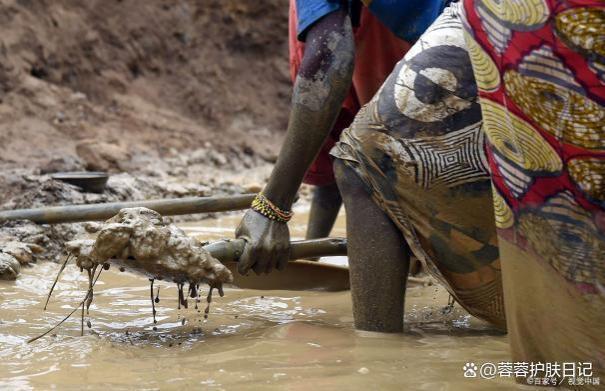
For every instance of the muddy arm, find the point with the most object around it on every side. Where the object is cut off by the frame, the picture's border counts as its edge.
(321, 86)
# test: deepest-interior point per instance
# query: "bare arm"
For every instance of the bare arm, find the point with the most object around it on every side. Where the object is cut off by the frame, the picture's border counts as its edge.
(320, 88)
(322, 84)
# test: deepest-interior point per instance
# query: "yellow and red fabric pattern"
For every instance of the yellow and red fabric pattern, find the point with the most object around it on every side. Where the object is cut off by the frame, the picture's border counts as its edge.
(540, 71)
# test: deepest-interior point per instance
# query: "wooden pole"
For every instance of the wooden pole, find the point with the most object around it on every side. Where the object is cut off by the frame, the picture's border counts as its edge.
(298, 276)
(97, 212)
(230, 250)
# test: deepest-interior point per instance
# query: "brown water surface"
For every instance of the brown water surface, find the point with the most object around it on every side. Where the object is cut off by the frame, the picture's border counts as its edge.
(251, 340)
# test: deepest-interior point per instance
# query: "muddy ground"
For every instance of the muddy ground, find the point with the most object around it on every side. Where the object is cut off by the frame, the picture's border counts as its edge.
(173, 98)
(145, 75)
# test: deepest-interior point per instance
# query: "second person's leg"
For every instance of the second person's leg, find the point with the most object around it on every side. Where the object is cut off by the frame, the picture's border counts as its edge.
(324, 209)
(378, 257)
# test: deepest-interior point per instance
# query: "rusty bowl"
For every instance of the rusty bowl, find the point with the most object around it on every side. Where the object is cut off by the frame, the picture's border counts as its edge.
(90, 181)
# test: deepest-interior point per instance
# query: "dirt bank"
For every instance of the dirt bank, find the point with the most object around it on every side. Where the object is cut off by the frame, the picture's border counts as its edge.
(147, 76)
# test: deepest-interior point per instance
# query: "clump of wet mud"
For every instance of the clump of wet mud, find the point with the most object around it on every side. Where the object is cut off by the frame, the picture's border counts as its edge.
(13, 254)
(138, 239)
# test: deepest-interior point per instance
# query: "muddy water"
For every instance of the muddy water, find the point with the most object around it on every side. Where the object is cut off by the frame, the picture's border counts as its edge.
(251, 340)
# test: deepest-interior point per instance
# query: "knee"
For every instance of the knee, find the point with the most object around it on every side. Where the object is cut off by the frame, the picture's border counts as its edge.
(341, 175)
(347, 180)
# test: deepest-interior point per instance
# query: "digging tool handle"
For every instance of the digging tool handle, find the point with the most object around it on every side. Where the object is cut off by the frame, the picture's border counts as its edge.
(96, 212)
(230, 250)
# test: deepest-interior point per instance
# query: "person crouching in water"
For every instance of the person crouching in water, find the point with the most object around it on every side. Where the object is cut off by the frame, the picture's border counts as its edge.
(411, 169)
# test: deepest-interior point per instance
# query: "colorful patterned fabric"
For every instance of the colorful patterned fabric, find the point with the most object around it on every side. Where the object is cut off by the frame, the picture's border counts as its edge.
(407, 19)
(377, 50)
(540, 69)
(419, 149)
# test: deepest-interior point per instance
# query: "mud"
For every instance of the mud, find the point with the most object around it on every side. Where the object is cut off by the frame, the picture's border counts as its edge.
(9, 267)
(13, 254)
(314, 93)
(142, 77)
(138, 239)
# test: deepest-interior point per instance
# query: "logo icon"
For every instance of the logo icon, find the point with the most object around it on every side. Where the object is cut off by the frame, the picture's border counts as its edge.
(470, 369)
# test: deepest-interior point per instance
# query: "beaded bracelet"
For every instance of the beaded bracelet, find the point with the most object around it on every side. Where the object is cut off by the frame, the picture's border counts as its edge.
(268, 209)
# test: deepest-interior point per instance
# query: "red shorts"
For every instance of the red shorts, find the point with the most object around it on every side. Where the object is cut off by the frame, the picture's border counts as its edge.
(377, 50)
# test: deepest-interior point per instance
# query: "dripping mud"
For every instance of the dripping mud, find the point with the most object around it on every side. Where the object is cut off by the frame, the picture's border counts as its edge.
(251, 339)
(140, 239)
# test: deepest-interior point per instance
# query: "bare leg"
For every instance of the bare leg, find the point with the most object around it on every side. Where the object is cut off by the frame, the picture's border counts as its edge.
(324, 209)
(379, 258)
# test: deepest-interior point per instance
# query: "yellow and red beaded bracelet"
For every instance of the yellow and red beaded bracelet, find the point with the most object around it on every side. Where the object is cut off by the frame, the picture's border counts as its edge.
(268, 209)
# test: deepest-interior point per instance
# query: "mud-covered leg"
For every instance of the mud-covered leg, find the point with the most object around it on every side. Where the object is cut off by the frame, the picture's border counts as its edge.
(378, 258)
(324, 209)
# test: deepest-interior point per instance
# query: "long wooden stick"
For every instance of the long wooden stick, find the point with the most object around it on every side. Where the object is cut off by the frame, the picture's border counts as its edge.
(96, 212)
(230, 250)
(298, 276)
